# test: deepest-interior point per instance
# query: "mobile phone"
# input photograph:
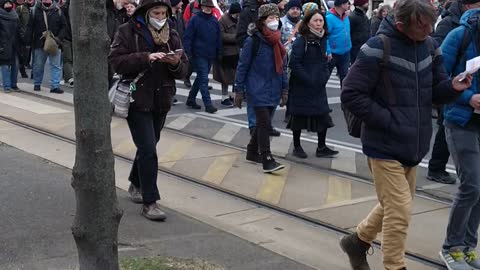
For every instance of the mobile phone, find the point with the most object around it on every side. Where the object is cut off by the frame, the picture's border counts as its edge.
(171, 53)
(178, 50)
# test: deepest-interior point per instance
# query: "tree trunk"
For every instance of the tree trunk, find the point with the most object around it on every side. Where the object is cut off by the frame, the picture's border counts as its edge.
(95, 228)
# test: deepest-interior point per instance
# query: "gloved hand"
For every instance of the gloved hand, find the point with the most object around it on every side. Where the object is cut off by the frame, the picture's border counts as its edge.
(238, 99)
(284, 98)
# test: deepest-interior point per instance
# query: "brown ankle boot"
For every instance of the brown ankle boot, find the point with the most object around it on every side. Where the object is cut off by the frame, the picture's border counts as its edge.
(356, 250)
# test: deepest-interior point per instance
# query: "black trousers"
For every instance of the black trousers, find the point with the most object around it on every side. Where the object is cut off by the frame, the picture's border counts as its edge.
(440, 153)
(145, 128)
(261, 133)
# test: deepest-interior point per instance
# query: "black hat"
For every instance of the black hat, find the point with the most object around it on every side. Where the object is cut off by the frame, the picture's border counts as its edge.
(338, 3)
(146, 5)
(207, 3)
(174, 2)
(235, 8)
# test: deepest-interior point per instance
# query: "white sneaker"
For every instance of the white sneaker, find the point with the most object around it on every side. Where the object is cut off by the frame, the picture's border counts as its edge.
(70, 83)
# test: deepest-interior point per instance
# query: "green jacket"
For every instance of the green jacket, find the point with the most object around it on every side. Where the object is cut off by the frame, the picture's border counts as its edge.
(23, 12)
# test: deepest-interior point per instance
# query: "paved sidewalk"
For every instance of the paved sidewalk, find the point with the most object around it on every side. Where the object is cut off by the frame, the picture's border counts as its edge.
(219, 128)
(37, 210)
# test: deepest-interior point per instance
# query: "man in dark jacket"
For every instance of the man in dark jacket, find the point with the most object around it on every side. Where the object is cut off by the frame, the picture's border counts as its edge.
(440, 153)
(67, 49)
(176, 19)
(203, 45)
(397, 127)
(116, 16)
(23, 11)
(57, 25)
(9, 33)
(248, 15)
(359, 27)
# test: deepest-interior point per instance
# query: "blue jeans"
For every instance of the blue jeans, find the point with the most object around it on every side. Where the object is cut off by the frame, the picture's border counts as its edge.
(9, 75)
(145, 128)
(252, 119)
(341, 62)
(464, 146)
(202, 67)
(55, 61)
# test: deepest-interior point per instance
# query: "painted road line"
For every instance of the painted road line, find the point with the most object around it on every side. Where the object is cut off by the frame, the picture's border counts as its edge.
(433, 186)
(185, 92)
(345, 162)
(226, 133)
(280, 145)
(29, 105)
(273, 185)
(338, 204)
(339, 189)
(219, 169)
(181, 122)
(175, 153)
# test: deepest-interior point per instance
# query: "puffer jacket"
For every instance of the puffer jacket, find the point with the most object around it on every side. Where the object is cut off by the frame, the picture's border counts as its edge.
(460, 111)
(359, 27)
(309, 75)
(339, 29)
(450, 21)
(397, 125)
(156, 88)
(202, 37)
(9, 33)
(257, 76)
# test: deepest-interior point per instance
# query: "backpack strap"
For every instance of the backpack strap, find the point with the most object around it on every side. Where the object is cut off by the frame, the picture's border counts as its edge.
(385, 71)
(460, 57)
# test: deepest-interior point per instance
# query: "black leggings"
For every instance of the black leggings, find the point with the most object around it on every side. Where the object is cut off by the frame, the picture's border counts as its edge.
(322, 135)
(261, 133)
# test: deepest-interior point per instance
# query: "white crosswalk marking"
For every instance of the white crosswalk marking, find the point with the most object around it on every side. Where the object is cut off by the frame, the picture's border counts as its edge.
(226, 133)
(181, 122)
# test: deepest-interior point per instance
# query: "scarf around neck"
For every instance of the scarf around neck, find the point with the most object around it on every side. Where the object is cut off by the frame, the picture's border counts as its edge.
(316, 33)
(161, 36)
(279, 52)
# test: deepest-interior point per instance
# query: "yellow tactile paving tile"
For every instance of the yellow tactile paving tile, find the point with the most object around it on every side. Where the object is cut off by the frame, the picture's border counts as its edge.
(273, 186)
(339, 189)
(219, 169)
(176, 152)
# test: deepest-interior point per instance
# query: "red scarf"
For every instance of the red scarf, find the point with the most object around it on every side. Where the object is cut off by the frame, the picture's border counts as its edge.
(273, 38)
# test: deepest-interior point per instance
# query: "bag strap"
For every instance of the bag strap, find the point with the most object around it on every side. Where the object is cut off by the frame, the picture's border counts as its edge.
(45, 19)
(467, 37)
(140, 75)
(385, 71)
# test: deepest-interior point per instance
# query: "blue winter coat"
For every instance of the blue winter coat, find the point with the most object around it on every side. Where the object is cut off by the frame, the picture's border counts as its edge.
(309, 75)
(339, 29)
(203, 37)
(258, 78)
(396, 125)
(460, 111)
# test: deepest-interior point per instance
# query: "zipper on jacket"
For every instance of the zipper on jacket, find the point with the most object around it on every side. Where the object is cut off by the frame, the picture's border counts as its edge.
(418, 101)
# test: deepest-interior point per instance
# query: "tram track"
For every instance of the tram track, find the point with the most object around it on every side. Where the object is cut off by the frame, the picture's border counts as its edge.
(316, 222)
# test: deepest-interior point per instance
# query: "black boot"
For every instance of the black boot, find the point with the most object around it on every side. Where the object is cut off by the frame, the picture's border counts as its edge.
(298, 152)
(269, 163)
(193, 105)
(356, 250)
(326, 152)
(23, 72)
(253, 155)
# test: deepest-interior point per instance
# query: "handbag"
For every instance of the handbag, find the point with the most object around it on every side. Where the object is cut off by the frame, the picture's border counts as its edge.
(50, 46)
(120, 95)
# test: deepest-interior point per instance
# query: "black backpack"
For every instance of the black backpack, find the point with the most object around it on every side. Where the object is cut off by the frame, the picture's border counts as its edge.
(354, 124)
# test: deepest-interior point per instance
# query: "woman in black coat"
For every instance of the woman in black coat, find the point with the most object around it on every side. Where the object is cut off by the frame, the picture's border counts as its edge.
(308, 102)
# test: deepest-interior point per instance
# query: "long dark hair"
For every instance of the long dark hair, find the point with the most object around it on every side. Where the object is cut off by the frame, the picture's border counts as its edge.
(304, 29)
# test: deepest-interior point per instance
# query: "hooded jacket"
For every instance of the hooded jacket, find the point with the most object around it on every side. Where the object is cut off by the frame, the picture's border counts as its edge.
(339, 29)
(156, 88)
(257, 76)
(451, 20)
(397, 124)
(460, 112)
(57, 24)
(9, 33)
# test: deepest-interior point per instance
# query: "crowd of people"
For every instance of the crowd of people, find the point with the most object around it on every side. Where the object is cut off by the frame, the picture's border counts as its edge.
(391, 70)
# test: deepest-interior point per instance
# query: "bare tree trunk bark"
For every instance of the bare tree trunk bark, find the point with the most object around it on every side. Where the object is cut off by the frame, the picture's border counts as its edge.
(97, 217)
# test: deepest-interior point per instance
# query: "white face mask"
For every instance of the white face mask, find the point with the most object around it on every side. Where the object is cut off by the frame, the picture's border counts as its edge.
(273, 25)
(156, 23)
